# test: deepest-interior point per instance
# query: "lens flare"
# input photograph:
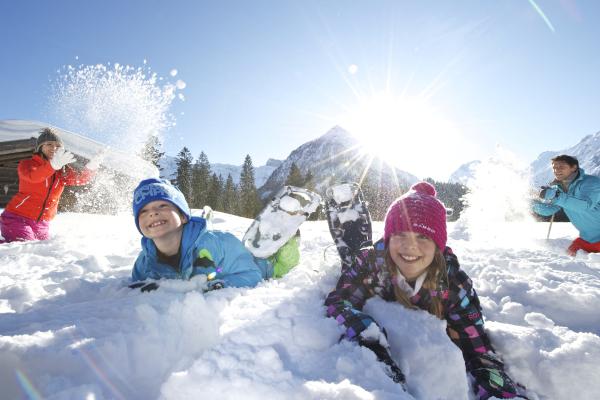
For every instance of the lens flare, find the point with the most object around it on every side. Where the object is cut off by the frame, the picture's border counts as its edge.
(27, 386)
(406, 132)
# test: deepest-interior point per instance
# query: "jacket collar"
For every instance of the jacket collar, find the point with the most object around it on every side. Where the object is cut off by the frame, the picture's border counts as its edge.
(192, 233)
(574, 177)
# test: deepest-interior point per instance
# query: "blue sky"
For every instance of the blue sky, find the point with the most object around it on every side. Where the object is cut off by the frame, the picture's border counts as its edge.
(264, 77)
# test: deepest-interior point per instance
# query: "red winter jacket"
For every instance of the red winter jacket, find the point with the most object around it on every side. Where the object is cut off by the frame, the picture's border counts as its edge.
(40, 188)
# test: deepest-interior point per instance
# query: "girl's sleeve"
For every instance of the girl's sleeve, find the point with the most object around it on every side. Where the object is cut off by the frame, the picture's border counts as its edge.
(73, 177)
(30, 171)
(465, 329)
(238, 266)
(346, 301)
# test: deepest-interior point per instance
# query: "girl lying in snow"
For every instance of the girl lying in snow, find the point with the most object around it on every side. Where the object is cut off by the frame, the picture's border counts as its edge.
(412, 265)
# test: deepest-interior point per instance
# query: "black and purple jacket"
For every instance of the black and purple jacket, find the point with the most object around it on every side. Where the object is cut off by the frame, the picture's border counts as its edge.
(368, 276)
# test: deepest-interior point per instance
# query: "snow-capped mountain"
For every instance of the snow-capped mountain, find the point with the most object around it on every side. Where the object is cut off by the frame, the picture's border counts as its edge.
(587, 151)
(261, 174)
(464, 173)
(335, 157)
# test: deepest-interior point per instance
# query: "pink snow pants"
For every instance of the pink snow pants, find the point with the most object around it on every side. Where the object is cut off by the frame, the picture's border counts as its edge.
(16, 228)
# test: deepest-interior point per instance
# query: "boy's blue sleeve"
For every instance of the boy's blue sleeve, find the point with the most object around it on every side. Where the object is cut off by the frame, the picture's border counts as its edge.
(139, 269)
(237, 264)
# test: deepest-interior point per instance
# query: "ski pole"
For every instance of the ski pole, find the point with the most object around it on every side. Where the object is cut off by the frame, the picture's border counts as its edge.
(550, 226)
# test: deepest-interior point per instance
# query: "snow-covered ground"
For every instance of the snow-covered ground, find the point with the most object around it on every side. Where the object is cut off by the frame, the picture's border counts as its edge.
(71, 329)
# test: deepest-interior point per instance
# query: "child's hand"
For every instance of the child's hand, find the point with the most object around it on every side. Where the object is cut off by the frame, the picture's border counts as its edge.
(489, 379)
(375, 339)
(492, 382)
(215, 285)
(145, 286)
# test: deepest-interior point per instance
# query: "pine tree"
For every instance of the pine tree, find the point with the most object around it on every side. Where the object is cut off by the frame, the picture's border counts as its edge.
(184, 173)
(295, 177)
(215, 192)
(379, 196)
(309, 181)
(249, 200)
(201, 181)
(451, 195)
(230, 196)
(151, 151)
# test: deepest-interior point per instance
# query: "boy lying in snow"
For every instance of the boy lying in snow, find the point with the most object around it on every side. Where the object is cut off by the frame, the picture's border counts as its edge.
(177, 245)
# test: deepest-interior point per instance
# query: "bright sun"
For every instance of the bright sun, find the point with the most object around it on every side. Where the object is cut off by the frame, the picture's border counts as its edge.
(406, 132)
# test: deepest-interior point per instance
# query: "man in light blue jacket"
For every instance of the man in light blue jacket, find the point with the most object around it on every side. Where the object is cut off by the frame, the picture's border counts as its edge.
(578, 194)
(178, 246)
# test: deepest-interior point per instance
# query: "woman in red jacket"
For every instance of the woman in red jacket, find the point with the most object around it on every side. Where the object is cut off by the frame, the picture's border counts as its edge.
(42, 179)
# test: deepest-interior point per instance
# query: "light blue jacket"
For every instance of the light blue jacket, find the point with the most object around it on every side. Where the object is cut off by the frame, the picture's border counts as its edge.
(581, 204)
(218, 255)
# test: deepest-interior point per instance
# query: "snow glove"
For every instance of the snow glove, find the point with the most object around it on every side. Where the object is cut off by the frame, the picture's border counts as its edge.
(215, 285)
(61, 158)
(490, 380)
(548, 193)
(553, 195)
(151, 286)
(378, 344)
(144, 286)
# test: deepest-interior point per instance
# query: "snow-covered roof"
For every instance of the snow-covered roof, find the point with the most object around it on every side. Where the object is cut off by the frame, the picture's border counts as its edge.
(126, 163)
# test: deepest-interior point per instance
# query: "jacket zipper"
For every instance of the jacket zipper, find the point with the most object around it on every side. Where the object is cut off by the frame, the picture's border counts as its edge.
(47, 195)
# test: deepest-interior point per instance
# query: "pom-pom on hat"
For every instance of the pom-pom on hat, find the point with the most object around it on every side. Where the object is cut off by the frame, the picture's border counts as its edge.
(418, 210)
(158, 189)
(47, 135)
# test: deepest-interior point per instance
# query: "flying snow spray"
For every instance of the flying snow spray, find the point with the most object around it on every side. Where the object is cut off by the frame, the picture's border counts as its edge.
(119, 106)
(497, 205)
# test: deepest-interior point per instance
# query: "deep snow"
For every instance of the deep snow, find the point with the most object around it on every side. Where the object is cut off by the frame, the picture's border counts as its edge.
(70, 328)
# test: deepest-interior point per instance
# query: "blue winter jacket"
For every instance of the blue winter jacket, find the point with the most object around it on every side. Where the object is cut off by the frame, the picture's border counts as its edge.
(218, 255)
(581, 204)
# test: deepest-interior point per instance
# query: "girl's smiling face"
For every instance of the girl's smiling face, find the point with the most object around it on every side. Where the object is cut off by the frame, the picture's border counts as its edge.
(412, 253)
(49, 148)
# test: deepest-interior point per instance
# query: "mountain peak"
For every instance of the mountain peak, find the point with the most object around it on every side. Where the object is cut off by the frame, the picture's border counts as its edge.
(337, 133)
(271, 162)
(328, 158)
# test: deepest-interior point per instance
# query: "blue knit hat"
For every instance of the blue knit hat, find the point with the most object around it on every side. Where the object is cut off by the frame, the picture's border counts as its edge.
(158, 189)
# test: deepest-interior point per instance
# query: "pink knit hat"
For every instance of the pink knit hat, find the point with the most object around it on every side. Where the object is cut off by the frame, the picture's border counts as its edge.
(418, 210)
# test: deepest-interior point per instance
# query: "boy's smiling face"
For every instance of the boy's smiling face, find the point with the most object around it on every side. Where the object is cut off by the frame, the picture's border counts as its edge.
(159, 219)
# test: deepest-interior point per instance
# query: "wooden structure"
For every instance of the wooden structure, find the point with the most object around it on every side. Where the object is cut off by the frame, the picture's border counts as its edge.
(17, 142)
(11, 153)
